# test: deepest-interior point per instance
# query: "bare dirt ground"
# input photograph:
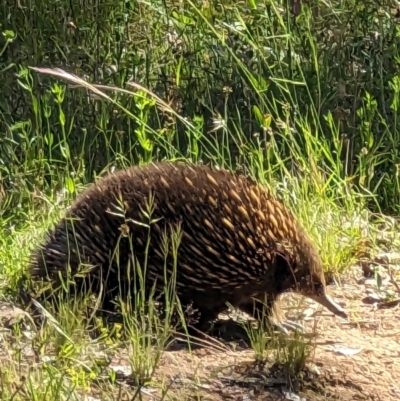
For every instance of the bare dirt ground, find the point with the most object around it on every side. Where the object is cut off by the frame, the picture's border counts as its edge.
(353, 359)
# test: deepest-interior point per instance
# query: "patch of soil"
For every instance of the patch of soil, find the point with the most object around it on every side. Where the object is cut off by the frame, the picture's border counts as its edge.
(354, 359)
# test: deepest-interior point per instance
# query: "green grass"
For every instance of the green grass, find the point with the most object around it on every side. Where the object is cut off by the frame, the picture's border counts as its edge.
(242, 86)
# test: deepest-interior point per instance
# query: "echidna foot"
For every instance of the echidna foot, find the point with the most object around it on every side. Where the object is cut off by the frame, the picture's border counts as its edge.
(287, 326)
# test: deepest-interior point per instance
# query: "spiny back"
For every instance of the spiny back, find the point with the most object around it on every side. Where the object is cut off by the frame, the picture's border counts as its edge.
(232, 227)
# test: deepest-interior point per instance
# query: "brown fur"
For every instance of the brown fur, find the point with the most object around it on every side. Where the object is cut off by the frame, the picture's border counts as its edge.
(238, 242)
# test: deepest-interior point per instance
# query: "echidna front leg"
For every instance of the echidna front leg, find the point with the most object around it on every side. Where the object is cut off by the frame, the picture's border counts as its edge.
(273, 314)
(279, 321)
(206, 319)
(260, 311)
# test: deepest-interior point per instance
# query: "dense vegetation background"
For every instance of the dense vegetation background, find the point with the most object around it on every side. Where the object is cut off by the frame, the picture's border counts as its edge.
(249, 81)
(308, 104)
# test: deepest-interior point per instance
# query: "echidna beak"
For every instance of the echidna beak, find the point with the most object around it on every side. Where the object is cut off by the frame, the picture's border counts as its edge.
(330, 304)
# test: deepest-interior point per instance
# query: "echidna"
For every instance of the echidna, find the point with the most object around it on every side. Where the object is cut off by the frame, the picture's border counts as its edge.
(238, 243)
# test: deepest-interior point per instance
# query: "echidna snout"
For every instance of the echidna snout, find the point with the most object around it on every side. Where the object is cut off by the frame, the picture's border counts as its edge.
(309, 280)
(325, 300)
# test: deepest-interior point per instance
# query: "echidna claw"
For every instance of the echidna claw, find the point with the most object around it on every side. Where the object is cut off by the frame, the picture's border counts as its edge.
(280, 327)
(288, 325)
(294, 326)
